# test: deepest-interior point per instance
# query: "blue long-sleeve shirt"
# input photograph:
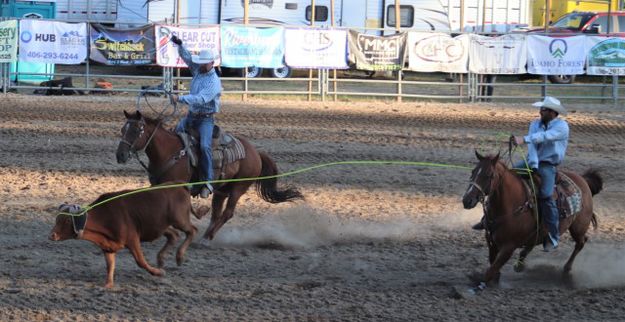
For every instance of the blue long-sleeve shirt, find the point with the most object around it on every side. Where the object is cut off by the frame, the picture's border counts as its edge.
(547, 143)
(205, 92)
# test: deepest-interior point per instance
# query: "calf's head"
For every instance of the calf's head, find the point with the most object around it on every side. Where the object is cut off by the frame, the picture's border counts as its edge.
(63, 229)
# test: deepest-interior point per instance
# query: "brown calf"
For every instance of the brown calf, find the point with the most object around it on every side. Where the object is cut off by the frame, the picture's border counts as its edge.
(130, 220)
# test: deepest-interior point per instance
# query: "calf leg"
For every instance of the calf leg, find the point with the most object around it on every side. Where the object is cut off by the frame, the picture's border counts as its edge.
(172, 236)
(190, 231)
(110, 268)
(135, 249)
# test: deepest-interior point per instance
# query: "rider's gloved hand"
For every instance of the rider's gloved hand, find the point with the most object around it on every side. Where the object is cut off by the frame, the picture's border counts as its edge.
(176, 40)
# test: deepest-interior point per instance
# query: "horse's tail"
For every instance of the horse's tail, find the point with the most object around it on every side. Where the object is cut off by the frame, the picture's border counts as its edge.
(594, 181)
(268, 188)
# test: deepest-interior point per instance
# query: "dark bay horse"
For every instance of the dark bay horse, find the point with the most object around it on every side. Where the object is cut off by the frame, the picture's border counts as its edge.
(168, 162)
(511, 223)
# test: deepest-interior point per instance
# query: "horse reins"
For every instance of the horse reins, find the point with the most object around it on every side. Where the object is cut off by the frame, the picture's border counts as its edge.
(132, 145)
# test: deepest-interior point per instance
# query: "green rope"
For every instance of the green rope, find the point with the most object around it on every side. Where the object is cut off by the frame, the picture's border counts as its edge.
(294, 172)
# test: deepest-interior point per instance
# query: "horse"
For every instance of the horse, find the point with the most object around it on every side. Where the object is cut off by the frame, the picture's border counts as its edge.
(509, 214)
(168, 161)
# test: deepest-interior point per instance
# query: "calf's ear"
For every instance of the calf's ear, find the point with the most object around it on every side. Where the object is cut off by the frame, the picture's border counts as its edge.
(478, 155)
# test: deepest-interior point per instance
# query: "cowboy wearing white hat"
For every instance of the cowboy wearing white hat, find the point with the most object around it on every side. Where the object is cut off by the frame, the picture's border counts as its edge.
(546, 141)
(204, 101)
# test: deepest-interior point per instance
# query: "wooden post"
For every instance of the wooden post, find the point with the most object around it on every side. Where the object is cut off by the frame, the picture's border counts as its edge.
(332, 24)
(398, 30)
(310, 71)
(461, 86)
(246, 21)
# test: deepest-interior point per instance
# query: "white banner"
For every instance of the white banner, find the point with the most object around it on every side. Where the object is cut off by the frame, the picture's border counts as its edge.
(438, 52)
(606, 56)
(193, 39)
(498, 55)
(8, 41)
(52, 42)
(556, 56)
(316, 48)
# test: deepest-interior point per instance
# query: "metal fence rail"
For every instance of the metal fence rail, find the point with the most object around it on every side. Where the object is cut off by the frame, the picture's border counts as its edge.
(324, 85)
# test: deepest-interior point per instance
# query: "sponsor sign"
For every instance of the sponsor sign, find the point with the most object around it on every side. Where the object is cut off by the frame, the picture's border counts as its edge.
(52, 42)
(377, 53)
(606, 56)
(8, 41)
(252, 46)
(498, 55)
(438, 52)
(122, 46)
(556, 56)
(316, 48)
(193, 39)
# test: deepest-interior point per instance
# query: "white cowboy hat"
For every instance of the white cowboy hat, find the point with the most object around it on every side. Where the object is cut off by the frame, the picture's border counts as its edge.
(551, 103)
(206, 56)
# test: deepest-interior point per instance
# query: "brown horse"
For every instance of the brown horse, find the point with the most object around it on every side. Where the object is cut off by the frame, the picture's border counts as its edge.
(510, 221)
(169, 162)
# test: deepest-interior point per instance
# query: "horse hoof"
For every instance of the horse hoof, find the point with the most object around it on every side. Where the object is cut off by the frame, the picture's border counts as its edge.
(519, 267)
(204, 242)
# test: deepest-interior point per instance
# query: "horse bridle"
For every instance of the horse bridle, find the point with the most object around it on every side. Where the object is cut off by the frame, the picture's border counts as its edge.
(483, 193)
(131, 146)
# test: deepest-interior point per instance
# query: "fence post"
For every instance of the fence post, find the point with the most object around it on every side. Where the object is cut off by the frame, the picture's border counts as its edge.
(399, 89)
(615, 90)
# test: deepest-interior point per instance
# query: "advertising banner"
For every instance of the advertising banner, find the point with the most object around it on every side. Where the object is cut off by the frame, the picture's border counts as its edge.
(438, 52)
(193, 39)
(498, 55)
(377, 53)
(122, 46)
(606, 56)
(252, 46)
(316, 48)
(52, 42)
(8, 41)
(556, 56)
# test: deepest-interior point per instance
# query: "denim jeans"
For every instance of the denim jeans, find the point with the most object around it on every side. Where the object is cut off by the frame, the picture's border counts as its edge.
(546, 204)
(204, 126)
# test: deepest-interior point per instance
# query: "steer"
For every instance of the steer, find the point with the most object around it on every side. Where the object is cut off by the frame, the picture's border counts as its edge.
(127, 221)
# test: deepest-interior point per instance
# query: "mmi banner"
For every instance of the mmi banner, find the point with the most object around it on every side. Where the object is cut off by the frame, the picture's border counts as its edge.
(374, 53)
(438, 52)
(252, 46)
(8, 41)
(556, 56)
(606, 56)
(498, 55)
(193, 39)
(52, 42)
(316, 48)
(122, 46)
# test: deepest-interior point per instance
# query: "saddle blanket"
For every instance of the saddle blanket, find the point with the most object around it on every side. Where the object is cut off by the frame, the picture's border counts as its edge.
(569, 196)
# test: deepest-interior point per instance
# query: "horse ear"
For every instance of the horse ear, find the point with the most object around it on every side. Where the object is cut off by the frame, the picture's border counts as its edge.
(478, 155)
(126, 114)
(496, 159)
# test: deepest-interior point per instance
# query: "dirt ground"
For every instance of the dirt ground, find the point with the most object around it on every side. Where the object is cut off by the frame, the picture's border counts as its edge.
(370, 242)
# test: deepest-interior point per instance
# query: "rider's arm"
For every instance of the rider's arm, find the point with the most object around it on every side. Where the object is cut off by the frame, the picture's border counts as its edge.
(211, 90)
(186, 57)
(558, 130)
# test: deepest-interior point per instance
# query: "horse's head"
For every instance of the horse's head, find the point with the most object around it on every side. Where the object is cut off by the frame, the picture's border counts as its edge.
(481, 180)
(133, 136)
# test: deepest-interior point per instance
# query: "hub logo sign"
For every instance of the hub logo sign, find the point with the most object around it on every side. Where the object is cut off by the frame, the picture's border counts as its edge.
(52, 42)
(556, 56)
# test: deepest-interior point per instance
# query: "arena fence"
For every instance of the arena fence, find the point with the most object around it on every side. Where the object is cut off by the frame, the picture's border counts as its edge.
(331, 85)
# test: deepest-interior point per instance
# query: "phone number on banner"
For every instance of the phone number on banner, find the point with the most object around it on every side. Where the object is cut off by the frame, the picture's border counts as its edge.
(61, 56)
